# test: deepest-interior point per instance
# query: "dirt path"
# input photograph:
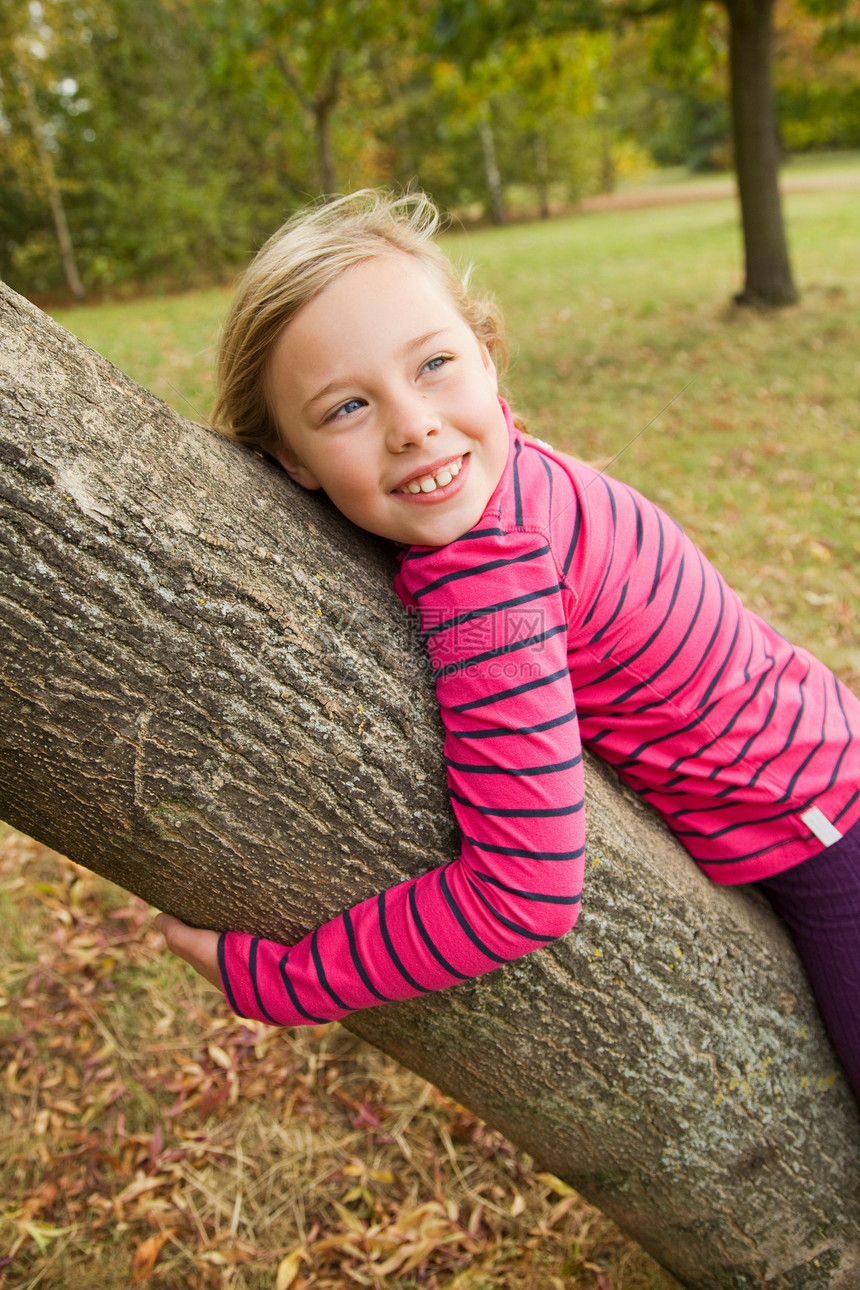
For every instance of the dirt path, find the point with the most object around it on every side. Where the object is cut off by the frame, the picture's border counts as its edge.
(707, 191)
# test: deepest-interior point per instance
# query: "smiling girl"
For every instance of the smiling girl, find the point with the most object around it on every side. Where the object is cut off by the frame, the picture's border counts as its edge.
(355, 356)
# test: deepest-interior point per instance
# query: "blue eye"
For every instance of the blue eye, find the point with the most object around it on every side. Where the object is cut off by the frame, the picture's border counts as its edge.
(344, 409)
(434, 364)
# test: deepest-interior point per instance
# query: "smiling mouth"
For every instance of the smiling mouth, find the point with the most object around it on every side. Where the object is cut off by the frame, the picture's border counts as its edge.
(429, 483)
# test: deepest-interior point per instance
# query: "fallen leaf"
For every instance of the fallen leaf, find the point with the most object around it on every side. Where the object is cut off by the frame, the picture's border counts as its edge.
(220, 1057)
(43, 1234)
(134, 1189)
(517, 1205)
(156, 1145)
(555, 1184)
(147, 1253)
(288, 1268)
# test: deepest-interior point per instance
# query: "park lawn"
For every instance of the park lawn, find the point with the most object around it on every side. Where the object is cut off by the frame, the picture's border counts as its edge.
(143, 1122)
(745, 426)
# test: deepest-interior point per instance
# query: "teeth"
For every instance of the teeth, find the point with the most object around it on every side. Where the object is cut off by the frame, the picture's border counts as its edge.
(429, 483)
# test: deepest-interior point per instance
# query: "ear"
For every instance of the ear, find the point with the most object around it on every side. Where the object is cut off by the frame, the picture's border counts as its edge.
(490, 366)
(295, 469)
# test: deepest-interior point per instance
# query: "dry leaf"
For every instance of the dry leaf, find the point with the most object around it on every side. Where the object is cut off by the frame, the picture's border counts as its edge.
(517, 1205)
(409, 1189)
(147, 1254)
(137, 1188)
(219, 1056)
(288, 1268)
(555, 1184)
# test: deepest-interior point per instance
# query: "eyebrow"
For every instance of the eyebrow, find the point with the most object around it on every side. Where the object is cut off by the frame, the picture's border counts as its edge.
(342, 382)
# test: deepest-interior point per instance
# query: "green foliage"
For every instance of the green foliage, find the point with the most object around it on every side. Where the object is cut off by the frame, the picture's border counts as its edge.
(817, 81)
(820, 116)
(670, 90)
(164, 177)
(541, 95)
(182, 132)
(688, 129)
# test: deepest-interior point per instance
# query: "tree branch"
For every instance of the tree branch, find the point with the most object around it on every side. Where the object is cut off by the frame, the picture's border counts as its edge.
(209, 693)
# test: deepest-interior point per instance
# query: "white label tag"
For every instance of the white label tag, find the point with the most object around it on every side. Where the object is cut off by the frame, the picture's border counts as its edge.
(819, 824)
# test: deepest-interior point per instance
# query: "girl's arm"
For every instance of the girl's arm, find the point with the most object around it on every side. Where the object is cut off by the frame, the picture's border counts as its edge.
(515, 778)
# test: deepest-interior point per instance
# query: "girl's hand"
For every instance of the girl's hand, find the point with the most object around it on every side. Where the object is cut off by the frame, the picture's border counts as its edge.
(194, 944)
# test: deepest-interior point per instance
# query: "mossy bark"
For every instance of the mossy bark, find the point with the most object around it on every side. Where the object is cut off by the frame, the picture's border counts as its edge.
(210, 695)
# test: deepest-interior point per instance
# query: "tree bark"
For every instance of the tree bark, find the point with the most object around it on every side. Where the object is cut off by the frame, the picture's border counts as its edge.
(210, 695)
(768, 277)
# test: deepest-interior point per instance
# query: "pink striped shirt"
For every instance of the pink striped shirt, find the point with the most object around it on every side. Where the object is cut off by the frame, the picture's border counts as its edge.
(575, 609)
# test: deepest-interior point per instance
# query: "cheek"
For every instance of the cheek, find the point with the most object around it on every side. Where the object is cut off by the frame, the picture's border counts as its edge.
(350, 474)
(500, 447)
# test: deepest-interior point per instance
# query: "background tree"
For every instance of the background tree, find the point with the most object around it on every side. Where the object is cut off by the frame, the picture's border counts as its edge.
(318, 54)
(531, 104)
(134, 130)
(179, 139)
(668, 83)
(35, 42)
(558, 95)
(757, 154)
(768, 277)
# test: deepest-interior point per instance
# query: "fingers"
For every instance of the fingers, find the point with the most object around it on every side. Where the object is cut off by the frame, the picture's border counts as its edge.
(195, 945)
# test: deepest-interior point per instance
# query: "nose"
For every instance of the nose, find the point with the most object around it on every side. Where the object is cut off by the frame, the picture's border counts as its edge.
(410, 421)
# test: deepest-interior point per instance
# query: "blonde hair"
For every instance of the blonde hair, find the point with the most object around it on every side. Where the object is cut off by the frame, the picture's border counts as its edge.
(311, 250)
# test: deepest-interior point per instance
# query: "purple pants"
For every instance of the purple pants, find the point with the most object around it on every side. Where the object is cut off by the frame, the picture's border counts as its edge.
(819, 900)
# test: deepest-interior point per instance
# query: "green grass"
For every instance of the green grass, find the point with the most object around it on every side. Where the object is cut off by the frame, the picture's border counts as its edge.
(744, 425)
(627, 351)
(166, 342)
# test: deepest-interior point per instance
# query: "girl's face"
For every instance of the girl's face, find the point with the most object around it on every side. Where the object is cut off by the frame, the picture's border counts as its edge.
(388, 401)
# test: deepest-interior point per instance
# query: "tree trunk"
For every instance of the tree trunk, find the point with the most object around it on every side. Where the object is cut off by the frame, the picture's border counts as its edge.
(768, 279)
(491, 170)
(322, 129)
(55, 197)
(608, 174)
(318, 103)
(210, 695)
(542, 173)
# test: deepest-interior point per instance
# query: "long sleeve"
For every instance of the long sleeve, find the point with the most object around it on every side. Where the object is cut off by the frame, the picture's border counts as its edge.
(495, 622)
(744, 744)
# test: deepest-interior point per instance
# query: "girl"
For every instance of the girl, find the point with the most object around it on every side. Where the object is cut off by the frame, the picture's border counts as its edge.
(556, 605)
